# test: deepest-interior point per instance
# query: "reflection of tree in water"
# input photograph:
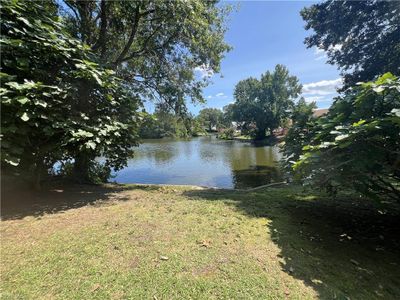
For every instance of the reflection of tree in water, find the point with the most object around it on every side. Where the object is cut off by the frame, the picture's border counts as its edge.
(254, 166)
(255, 176)
(211, 150)
(162, 157)
(159, 153)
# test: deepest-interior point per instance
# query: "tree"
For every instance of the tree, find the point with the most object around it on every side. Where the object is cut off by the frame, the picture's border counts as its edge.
(43, 69)
(155, 46)
(299, 134)
(361, 37)
(357, 144)
(227, 117)
(266, 102)
(210, 117)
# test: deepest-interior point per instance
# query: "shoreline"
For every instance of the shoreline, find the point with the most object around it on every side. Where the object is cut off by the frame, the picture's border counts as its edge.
(199, 187)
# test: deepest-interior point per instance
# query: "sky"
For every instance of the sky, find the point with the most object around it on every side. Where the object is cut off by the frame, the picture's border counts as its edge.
(264, 34)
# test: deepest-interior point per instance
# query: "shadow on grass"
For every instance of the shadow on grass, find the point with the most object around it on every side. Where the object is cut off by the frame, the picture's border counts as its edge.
(343, 248)
(18, 202)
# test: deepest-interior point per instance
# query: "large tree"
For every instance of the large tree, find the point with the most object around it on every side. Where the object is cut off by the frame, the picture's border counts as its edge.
(43, 70)
(266, 102)
(360, 37)
(155, 46)
(210, 117)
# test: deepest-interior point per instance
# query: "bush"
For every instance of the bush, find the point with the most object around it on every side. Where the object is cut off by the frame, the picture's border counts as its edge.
(227, 134)
(357, 144)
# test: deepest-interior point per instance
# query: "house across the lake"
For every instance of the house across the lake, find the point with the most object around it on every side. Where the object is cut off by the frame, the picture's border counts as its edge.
(320, 112)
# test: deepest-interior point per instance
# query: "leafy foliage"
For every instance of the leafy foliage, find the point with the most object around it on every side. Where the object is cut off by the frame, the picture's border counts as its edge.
(361, 37)
(210, 118)
(298, 135)
(227, 134)
(265, 102)
(155, 45)
(44, 75)
(164, 123)
(357, 144)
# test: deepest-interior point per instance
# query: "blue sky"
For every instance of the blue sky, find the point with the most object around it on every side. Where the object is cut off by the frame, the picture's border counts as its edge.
(263, 34)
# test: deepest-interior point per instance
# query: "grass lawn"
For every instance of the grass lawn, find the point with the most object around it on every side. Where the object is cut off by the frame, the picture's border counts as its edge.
(138, 242)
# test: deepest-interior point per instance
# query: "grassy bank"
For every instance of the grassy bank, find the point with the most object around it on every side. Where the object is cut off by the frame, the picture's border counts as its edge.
(138, 242)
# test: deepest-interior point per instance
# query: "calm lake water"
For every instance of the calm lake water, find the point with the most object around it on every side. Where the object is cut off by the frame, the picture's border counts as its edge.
(204, 161)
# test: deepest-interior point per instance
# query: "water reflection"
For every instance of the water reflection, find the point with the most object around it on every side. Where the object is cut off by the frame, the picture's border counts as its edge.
(204, 161)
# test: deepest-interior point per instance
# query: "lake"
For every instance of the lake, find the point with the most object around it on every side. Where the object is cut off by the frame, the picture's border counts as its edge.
(205, 161)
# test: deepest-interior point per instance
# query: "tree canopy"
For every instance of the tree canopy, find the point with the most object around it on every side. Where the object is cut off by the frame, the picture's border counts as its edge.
(357, 144)
(43, 69)
(360, 37)
(155, 45)
(265, 102)
(72, 87)
(210, 117)
(298, 134)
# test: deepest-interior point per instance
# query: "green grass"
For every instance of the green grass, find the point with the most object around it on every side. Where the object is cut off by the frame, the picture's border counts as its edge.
(137, 242)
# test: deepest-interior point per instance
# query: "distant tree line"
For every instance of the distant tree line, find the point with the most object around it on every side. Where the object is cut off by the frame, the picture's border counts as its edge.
(165, 123)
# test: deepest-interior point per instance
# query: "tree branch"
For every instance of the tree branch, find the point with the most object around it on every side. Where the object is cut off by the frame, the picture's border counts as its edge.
(101, 41)
(131, 37)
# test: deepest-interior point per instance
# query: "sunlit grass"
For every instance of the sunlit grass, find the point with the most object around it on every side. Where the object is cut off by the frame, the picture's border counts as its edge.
(187, 243)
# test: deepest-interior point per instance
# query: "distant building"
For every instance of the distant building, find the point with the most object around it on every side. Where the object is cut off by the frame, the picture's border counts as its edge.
(320, 112)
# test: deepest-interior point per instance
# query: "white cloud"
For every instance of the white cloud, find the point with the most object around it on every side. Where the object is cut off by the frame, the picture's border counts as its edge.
(218, 95)
(319, 53)
(204, 71)
(321, 91)
(336, 47)
(320, 57)
(323, 87)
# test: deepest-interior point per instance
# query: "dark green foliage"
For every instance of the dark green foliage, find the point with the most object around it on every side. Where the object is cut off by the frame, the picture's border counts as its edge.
(227, 117)
(55, 101)
(357, 144)
(61, 97)
(298, 135)
(265, 102)
(227, 134)
(167, 124)
(361, 37)
(155, 45)
(210, 118)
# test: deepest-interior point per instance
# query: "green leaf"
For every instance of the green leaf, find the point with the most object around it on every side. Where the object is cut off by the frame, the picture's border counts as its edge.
(22, 100)
(341, 137)
(379, 89)
(396, 111)
(359, 123)
(25, 21)
(82, 133)
(97, 79)
(24, 117)
(91, 145)
(13, 161)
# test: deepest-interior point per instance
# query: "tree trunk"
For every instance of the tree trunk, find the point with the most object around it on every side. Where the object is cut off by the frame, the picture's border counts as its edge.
(260, 134)
(81, 168)
(82, 158)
